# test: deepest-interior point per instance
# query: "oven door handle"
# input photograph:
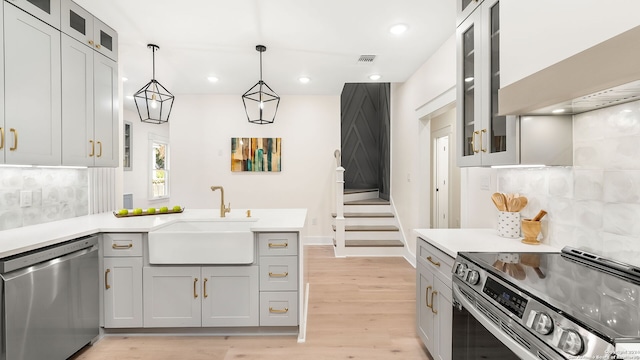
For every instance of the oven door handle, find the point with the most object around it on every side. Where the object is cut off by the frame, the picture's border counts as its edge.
(517, 349)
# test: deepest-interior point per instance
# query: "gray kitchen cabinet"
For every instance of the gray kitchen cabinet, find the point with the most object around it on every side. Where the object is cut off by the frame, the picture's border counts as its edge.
(45, 10)
(32, 81)
(2, 127)
(434, 300)
(279, 267)
(122, 282)
(89, 30)
(484, 137)
(89, 107)
(210, 296)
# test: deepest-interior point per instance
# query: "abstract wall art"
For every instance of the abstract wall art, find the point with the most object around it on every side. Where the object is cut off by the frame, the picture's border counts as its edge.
(256, 154)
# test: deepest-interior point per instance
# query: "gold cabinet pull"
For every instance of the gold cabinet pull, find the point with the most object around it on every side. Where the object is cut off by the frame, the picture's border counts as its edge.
(100, 145)
(278, 311)
(280, 245)
(121, 247)
(205, 288)
(473, 142)
(98, 46)
(1, 138)
(433, 310)
(195, 282)
(278, 275)
(426, 297)
(93, 148)
(90, 42)
(483, 131)
(435, 263)
(15, 139)
(106, 279)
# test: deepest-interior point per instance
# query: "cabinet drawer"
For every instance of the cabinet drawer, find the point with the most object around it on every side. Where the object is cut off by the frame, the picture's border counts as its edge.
(435, 260)
(125, 244)
(278, 273)
(279, 308)
(275, 244)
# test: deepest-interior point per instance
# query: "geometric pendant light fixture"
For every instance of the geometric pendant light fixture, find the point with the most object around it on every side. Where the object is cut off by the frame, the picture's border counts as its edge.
(261, 102)
(154, 101)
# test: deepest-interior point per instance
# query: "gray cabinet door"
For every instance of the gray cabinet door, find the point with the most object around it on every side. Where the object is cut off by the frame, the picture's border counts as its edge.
(122, 292)
(172, 296)
(105, 75)
(78, 147)
(32, 90)
(230, 296)
(2, 127)
(45, 10)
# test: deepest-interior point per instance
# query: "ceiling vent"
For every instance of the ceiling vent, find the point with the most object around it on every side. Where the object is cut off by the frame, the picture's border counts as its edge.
(366, 59)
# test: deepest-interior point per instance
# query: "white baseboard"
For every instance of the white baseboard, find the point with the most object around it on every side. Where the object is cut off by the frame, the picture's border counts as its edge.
(317, 240)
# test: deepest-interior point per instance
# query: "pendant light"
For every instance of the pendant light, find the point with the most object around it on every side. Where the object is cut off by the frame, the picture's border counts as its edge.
(261, 102)
(154, 101)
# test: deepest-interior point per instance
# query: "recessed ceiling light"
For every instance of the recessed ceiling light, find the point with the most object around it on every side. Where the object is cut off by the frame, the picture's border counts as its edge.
(375, 77)
(212, 79)
(558, 111)
(304, 80)
(124, 78)
(398, 29)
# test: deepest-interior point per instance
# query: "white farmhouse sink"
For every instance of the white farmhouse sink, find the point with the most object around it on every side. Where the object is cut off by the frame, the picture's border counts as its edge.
(210, 241)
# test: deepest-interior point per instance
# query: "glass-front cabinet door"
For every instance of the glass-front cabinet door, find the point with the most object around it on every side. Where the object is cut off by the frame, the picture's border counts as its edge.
(485, 138)
(45, 10)
(465, 8)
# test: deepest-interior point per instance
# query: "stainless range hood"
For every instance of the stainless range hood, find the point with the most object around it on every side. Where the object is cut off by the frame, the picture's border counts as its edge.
(604, 75)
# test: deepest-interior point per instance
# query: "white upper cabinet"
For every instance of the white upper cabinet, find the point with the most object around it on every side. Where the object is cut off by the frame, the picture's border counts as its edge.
(465, 8)
(32, 124)
(45, 10)
(84, 27)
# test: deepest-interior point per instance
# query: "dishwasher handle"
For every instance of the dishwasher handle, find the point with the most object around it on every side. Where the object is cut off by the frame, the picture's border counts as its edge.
(19, 272)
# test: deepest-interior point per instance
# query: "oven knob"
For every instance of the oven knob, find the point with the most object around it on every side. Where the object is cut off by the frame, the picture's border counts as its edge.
(474, 277)
(571, 342)
(542, 323)
(460, 270)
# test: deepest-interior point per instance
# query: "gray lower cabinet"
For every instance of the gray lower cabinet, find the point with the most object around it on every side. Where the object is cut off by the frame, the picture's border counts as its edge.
(278, 279)
(210, 296)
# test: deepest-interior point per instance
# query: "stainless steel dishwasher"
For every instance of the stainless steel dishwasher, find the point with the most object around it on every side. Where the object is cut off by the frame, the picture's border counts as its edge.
(49, 301)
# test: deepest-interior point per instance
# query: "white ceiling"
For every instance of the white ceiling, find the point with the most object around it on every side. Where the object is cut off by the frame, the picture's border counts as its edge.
(321, 40)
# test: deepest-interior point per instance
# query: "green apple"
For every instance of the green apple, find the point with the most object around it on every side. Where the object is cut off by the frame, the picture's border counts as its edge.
(177, 208)
(123, 212)
(151, 210)
(137, 211)
(164, 209)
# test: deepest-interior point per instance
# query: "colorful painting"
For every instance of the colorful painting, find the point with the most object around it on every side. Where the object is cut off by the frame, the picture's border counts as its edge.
(255, 154)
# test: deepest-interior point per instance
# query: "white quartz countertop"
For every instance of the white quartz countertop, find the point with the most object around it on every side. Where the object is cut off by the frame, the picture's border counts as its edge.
(19, 240)
(453, 241)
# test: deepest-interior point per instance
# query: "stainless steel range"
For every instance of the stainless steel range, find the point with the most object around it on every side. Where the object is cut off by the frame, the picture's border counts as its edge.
(569, 305)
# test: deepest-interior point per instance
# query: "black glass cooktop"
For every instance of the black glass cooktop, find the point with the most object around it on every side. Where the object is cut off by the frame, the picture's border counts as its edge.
(598, 299)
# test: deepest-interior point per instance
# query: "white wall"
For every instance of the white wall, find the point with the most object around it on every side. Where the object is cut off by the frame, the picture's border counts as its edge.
(434, 78)
(137, 180)
(201, 130)
(537, 34)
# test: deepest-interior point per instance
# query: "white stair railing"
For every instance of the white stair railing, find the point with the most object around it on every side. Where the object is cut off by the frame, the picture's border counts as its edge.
(339, 198)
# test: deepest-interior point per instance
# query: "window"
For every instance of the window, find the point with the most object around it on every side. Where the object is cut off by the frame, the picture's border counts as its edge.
(159, 187)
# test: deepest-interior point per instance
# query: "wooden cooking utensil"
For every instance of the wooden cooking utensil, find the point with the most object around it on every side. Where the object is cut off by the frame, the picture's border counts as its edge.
(540, 215)
(515, 205)
(499, 201)
(523, 202)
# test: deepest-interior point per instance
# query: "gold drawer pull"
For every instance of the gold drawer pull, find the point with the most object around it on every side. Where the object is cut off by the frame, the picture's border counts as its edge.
(93, 148)
(98, 46)
(426, 297)
(205, 288)
(276, 275)
(436, 263)
(281, 245)
(433, 310)
(1, 138)
(195, 282)
(120, 247)
(90, 42)
(106, 279)
(100, 145)
(278, 311)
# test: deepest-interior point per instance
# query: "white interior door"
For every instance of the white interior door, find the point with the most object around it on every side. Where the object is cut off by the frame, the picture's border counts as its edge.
(442, 182)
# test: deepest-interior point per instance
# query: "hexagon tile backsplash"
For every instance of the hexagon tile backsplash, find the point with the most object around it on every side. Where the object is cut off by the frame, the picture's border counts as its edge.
(56, 194)
(595, 204)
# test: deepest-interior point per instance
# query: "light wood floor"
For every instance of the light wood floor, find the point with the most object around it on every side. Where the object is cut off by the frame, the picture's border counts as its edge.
(359, 308)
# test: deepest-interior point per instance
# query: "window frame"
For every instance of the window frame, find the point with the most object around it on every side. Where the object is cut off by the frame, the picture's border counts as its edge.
(154, 140)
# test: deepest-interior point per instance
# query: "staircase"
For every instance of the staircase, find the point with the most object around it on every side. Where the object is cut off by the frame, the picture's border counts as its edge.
(370, 227)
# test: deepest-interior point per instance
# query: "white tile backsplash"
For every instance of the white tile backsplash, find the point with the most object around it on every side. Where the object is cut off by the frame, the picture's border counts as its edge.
(56, 194)
(594, 205)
